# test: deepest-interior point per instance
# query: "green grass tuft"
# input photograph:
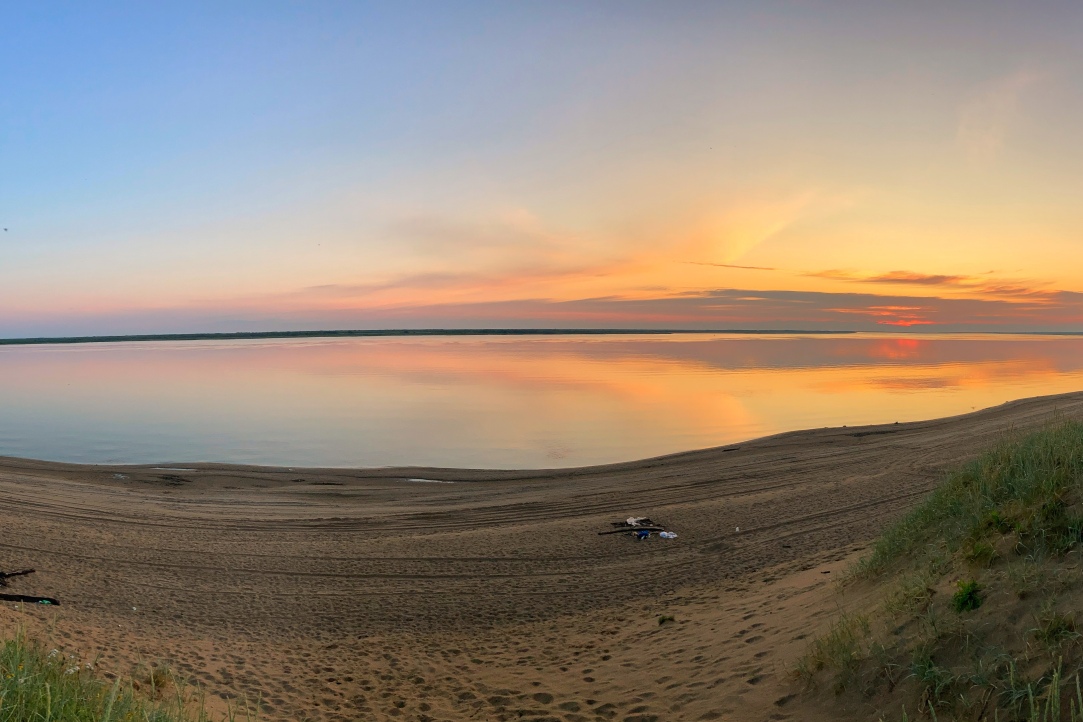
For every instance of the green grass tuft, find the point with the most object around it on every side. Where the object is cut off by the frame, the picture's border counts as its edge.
(967, 598)
(1055, 628)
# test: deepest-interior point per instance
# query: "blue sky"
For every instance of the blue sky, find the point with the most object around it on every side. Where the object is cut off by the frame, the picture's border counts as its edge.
(205, 166)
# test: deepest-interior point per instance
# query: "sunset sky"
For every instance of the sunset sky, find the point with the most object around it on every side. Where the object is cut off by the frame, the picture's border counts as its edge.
(801, 165)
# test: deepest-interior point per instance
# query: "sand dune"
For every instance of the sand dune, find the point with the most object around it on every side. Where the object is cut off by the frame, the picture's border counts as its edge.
(363, 594)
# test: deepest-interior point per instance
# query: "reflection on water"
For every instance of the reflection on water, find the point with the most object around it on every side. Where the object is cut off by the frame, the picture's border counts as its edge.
(494, 401)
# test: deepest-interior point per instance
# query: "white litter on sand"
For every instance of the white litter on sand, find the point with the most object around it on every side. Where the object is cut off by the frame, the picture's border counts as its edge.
(429, 481)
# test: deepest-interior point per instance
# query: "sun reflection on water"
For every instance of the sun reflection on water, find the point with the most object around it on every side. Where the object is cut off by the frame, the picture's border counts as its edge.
(495, 401)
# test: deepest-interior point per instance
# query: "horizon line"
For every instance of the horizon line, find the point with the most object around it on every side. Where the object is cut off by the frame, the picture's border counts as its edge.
(362, 333)
(355, 333)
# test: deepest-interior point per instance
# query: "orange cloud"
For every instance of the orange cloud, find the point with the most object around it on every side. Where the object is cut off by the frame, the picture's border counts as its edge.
(971, 285)
(901, 277)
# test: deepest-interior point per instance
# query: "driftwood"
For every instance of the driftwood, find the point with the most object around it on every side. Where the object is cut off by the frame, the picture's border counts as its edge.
(24, 598)
(643, 521)
(631, 529)
(4, 576)
(28, 599)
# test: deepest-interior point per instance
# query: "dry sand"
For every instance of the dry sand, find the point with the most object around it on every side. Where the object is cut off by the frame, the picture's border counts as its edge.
(333, 594)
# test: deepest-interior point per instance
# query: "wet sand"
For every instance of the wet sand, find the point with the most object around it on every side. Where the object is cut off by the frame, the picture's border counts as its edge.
(331, 594)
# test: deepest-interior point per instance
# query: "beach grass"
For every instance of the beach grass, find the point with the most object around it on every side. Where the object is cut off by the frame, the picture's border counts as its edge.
(40, 685)
(1030, 486)
(980, 589)
(36, 684)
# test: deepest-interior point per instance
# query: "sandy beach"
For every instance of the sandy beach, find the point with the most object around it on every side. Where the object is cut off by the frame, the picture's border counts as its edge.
(450, 594)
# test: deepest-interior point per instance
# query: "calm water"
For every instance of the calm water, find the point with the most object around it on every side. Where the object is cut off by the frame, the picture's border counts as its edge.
(494, 401)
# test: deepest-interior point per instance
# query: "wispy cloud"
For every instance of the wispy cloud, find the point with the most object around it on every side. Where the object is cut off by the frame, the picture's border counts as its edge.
(987, 114)
(731, 265)
(513, 239)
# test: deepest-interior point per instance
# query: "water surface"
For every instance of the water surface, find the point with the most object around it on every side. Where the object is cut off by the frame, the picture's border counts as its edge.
(511, 402)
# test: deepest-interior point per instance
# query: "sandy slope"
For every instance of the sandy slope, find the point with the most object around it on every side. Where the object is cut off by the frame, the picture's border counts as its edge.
(359, 594)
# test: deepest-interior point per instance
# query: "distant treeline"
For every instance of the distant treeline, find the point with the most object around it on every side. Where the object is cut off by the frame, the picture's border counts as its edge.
(386, 332)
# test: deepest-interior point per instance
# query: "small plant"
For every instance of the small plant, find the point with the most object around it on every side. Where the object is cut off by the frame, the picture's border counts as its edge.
(1054, 628)
(937, 628)
(154, 682)
(999, 523)
(1016, 689)
(980, 552)
(967, 597)
(935, 682)
(841, 650)
(665, 619)
(911, 596)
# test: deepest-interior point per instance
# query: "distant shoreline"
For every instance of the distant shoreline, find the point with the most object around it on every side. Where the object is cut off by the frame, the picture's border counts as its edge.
(363, 333)
(372, 333)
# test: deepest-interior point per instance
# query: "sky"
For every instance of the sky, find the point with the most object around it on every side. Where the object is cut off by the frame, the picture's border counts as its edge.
(248, 166)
